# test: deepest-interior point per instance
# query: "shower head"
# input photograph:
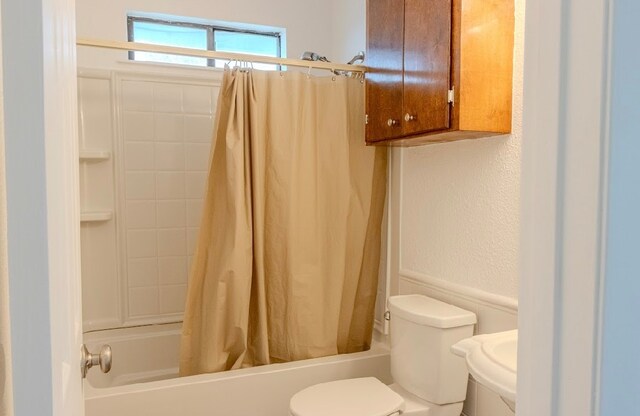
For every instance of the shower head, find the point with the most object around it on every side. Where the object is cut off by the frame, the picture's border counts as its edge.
(359, 58)
(309, 56)
(312, 56)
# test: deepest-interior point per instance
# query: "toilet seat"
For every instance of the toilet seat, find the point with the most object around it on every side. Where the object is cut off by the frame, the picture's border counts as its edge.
(353, 397)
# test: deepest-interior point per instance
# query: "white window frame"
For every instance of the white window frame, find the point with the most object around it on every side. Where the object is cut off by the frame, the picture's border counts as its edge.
(210, 28)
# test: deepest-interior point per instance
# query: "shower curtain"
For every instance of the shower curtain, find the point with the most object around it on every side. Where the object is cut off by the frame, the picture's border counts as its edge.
(286, 264)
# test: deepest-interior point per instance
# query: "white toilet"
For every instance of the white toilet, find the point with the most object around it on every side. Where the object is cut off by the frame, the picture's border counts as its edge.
(429, 379)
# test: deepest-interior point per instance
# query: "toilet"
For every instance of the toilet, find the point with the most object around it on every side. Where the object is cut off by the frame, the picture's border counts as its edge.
(429, 380)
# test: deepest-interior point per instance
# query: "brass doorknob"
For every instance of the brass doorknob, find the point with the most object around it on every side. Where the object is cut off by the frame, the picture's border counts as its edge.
(408, 117)
(391, 122)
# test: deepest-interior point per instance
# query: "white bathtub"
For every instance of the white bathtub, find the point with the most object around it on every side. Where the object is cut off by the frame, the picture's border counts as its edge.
(143, 379)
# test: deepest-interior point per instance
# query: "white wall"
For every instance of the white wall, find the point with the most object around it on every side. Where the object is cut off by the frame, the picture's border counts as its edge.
(621, 334)
(460, 202)
(349, 29)
(308, 23)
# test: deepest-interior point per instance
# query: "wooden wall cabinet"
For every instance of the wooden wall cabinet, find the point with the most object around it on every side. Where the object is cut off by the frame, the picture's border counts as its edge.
(438, 70)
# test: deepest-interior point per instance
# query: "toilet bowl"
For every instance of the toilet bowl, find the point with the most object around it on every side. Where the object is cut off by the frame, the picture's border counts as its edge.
(429, 379)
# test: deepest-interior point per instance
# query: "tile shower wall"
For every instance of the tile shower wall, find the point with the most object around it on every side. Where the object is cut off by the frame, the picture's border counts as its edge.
(146, 138)
(99, 256)
(166, 140)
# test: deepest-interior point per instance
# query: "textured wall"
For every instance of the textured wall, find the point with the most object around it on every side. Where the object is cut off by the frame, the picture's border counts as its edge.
(460, 203)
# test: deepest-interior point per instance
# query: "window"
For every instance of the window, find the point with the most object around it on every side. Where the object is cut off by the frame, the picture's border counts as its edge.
(200, 36)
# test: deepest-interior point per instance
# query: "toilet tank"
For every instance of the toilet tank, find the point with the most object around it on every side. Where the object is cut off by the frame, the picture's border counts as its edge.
(422, 333)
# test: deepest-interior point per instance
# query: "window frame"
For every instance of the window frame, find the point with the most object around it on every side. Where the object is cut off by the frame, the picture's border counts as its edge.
(210, 29)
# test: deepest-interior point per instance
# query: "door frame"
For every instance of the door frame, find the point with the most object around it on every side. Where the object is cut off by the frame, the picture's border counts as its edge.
(43, 218)
(563, 205)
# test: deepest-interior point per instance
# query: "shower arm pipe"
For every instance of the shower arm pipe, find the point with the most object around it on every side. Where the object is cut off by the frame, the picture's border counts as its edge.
(227, 56)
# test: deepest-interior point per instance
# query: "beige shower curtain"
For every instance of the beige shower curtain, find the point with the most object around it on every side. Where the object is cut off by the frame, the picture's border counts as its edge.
(286, 264)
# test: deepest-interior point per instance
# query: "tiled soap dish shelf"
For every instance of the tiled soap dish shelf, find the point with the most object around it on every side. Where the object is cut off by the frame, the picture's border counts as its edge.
(96, 216)
(94, 155)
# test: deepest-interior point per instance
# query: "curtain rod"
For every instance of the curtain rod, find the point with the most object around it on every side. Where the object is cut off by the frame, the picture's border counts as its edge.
(227, 56)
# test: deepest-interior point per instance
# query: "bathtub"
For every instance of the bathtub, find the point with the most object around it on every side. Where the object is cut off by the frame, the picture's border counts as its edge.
(144, 378)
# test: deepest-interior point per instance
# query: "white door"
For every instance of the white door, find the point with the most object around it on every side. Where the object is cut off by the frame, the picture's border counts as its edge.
(39, 80)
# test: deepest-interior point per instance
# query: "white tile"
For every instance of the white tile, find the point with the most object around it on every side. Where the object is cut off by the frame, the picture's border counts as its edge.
(140, 185)
(194, 212)
(172, 298)
(170, 185)
(143, 272)
(172, 270)
(138, 126)
(197, 156)
(141, 243)
(189, 265)
(137, 96)
(198, 129)
(470, 402)
(172, 242)
(169, 127)
(138, 156)
(197, 99)
(167, 98)
(141, 214)
(192, 240)
(169, 156)
(215, 93)
(143, 301)
(171, 214)
(492, 320)
(490, 404)
(195, 184)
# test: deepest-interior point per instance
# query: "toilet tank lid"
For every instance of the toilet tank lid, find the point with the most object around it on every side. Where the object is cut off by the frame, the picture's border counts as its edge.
(430, 312)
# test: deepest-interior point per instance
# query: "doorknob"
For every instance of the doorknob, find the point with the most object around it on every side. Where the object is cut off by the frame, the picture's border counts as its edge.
(89, 360)
(408, 117)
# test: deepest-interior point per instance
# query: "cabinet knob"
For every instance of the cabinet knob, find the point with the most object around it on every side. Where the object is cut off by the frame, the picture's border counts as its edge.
(409, 117)
(391, 122)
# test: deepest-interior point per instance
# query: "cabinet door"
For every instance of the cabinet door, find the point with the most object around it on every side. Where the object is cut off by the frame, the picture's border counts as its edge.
(427, 58)
(385, 20)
